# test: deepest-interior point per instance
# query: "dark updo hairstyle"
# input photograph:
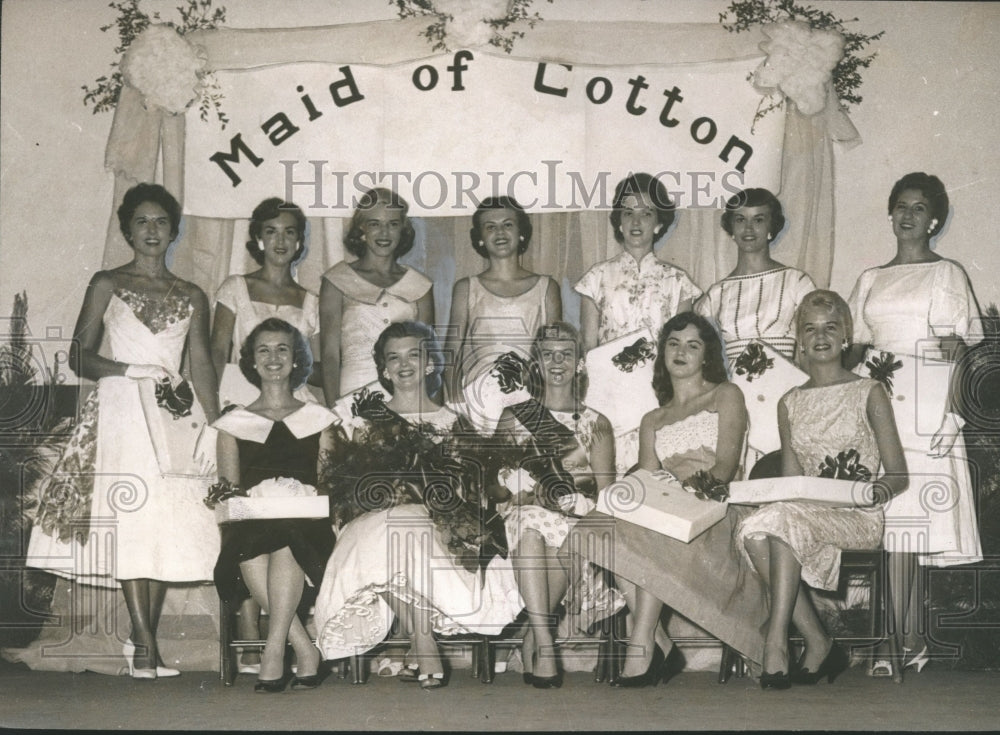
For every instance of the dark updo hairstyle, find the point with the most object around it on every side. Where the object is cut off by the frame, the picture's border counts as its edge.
(832, 302)
(302, 358)
(428, 342)
(932, 188)
(354, 240)
(754, 198)
(536, 381)
(142, 193)
(270, 209)
(642, 185)
(503, 202)
(714, 368)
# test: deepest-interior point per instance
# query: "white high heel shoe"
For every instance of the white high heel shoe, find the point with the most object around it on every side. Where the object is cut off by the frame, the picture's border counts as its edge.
(919, 661)
(128, 650)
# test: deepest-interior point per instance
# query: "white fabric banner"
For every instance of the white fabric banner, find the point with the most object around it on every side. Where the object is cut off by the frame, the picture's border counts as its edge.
(449, 130)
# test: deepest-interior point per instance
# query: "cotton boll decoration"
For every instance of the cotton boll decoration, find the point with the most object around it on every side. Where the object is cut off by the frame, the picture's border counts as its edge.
(799, 63)
(469, 24)
(164, 68)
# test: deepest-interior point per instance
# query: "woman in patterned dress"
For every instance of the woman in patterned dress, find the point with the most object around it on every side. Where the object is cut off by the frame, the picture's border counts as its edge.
(916, 316)
(557, 419)
(791, 544)
(757, 301)
(497, 311)
(358, 300)
(162, 532)
(634, 290)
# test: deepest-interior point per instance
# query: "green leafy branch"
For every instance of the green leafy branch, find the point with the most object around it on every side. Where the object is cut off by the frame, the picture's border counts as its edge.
(436, 32)
(741, 15)
(131, 21)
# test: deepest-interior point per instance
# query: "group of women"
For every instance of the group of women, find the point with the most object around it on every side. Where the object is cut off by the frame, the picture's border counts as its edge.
(745, 580)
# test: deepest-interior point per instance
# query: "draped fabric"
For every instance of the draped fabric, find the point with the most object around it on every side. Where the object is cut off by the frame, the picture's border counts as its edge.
(147, 144)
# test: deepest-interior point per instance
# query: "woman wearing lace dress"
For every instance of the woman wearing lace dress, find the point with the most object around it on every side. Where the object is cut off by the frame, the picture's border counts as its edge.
(277, 243)
(124, 483)
(558, 422)
(835, 414)
(358, 300)
(391, 558)
(916, 314)
(757, 301)
(497, 311)
(699, 427)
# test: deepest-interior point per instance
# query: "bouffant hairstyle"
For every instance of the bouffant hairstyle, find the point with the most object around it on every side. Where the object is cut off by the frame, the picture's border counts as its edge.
(142, 193)
(267, 210)
(428, 342)
(503, 202)
(754, 198)
(556, 331)
(302, 358)
(354, 240)
(830, 301)
(714, 368)
(642, 185)
(932, 188)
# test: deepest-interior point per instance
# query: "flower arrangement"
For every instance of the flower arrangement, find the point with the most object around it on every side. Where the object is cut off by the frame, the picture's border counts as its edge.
(806, 47)
(707, 486)
(155, 58)
(753, 362)
(470, 23)
(846, 466)
(638, 353)
(511, 372)
(221, 491)
(881, 367)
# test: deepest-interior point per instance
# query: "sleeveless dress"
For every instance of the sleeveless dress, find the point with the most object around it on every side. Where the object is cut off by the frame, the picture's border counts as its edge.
(369, 309)
(759, 306)
(271, 449)
(708, 580)
(823, 422)
(902, 310)
(399, 552)
(497, 325)
(142, 522)
(234, 294)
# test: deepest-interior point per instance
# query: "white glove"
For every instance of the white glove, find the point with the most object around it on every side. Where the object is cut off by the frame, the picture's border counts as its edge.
(152, 372)
(946, 435)
(576, 504)
(204, 450)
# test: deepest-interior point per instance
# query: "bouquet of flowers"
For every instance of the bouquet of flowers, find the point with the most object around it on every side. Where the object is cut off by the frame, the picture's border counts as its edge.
(222, 490)
(707, 486)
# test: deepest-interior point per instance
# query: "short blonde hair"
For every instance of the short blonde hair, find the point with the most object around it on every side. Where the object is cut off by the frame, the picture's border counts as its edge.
(832, 302)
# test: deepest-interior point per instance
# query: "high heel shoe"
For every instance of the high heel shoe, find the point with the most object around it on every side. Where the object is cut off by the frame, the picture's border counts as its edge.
(431, 681)
(673, 664)
(833, 665)
(307, 682)
(128, 651)
(779, 680)
(918, 661)
(543, 682)
(651, 677)
(270, 686)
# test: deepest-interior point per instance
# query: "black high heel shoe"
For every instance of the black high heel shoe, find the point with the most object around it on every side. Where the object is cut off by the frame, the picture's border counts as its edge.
(652, 675)
(543, 682)
(779, 680)
(673, 664)
(833, 665)
(308, 682)
(270, 686)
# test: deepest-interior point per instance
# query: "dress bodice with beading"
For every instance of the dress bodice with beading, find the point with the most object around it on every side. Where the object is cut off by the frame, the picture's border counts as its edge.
(145, 329)
(687, 446)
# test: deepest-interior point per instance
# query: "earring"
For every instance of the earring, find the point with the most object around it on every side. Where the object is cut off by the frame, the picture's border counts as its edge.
(295, 364)
(770, 237)
(581, 365)
(843, 347)
(260, 245)
(620, 228)
(656, 230)
(428, 370)
(481, 243)
(521, 238)
(890, 219)
(933, 225)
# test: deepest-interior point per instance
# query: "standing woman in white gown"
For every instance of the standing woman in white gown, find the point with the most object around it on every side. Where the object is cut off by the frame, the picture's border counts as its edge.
(916, 315)
(157, 530)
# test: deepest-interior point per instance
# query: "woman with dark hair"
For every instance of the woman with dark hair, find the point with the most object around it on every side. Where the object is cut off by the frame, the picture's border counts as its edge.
(272, 448)
(696, 434)
(391, 558)
(162, 532)
(634, 290)
(823, 423)
(757, 301)
(277, 244)
(558, 423)
(359, 299)
(497, 311)
(916, 315)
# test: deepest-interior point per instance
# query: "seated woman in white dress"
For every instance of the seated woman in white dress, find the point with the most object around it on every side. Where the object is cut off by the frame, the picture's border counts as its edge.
(835, 414)
(757, 301)
(582, 441)
(496, 312)
(277, 244)
(357, 300)
(396, 555)
(272, 448)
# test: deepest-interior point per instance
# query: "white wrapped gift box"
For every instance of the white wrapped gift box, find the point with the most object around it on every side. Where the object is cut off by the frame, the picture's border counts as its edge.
(485, 401)
(660, 505)
(762, 391)
(248, 509)
(821, 490)
(342, 406)
(174, 439)
(622, 394)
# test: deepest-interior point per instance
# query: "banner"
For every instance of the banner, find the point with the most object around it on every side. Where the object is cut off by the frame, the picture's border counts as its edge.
(447, 131)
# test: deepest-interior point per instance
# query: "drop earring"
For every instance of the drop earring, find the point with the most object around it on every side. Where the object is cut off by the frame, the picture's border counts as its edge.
(933, 225)
(260, 245)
